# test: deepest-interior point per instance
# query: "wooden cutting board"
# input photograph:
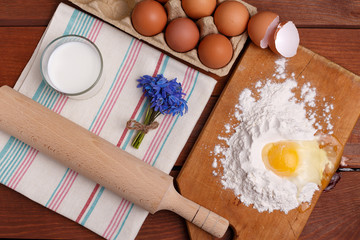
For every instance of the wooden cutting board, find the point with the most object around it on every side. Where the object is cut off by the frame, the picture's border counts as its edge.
(196, 180)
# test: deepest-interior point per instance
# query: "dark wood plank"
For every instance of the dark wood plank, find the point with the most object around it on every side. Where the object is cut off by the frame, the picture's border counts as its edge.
(17, 44)
(308, 13)
(23, 218)
(163, 225)
(197, 170)
(334, 216)
(27, 13)
(352, 148)
(341, 46)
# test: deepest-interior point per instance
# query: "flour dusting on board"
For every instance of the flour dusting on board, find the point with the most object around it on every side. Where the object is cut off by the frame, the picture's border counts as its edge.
(270, 113)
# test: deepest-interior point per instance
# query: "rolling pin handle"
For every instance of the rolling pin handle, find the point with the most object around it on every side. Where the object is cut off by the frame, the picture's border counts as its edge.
(194, 213)
(99, 160)
(210, 222)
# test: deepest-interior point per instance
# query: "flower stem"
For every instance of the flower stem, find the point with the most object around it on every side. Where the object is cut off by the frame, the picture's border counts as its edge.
(138, 139)
(150, 117)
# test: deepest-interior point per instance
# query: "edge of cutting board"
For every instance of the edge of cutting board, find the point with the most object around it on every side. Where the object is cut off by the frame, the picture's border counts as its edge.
(183, 180)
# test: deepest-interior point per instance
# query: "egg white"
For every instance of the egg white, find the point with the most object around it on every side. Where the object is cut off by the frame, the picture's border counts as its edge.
(312, 161)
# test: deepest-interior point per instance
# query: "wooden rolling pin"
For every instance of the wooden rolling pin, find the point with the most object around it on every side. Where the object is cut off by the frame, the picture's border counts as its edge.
(99, 160)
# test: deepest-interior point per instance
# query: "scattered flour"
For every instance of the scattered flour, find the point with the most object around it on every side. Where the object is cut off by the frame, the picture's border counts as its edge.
(258, 84)
(308, 94)
(343, 162)
(280, 68)
(214, 165)
(274, 116)
(227, 127)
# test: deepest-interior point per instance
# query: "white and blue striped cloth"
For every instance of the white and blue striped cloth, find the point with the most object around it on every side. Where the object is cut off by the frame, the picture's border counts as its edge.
(60, 189)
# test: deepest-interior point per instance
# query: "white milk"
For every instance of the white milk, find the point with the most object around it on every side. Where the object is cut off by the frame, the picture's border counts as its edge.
(73, 67)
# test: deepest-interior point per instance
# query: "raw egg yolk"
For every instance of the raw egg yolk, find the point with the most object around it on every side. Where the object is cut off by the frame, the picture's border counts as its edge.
(281, 158)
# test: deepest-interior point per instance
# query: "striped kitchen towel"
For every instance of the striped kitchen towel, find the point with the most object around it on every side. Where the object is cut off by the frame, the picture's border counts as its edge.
(64, 191)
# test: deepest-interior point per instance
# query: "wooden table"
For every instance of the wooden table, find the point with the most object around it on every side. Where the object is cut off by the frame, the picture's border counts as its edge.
(328, 27)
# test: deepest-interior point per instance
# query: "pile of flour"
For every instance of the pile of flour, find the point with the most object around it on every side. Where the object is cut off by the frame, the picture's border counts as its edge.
(269, 113)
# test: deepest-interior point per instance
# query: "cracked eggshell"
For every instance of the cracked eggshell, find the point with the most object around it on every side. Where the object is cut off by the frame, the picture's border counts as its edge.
(285, 40)
(261, 26)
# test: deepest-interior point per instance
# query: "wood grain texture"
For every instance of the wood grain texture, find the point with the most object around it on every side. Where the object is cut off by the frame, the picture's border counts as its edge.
(86, 153)
(99, 160)
(308, 13)
(351, 149)
(154, 226)
(23, 218)
(341, 46)
(340, 217)
(196, 180)
(18, 43)
(31, 220)
(27, 13)
(21, 26)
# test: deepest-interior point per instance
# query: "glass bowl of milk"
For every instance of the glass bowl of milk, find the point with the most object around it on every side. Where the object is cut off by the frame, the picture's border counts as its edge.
(73, 65)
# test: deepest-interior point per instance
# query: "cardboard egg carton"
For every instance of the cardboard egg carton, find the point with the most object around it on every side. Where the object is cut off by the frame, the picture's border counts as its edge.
(118, 13)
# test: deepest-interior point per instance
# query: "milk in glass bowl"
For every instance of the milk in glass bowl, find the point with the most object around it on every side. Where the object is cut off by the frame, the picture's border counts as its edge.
(73, 65)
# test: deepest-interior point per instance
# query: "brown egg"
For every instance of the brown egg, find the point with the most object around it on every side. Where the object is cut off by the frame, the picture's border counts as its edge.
(162, 1)
(198, 8)
(215, 51)
(231, 18)
(261, 26)
(149, 17)
(182, 34)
